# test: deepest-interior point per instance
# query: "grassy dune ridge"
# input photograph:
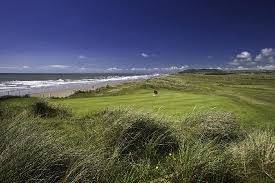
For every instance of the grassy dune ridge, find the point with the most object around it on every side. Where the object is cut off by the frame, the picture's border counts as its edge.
(122, 145)
(185, 134)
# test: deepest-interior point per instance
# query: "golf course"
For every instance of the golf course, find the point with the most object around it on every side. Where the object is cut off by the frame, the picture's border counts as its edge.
(185, 127)
(250, 97)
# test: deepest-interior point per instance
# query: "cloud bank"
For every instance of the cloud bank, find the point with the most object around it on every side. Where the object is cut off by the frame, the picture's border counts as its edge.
(264, 60)
(113, 69)
(59, 66)
(150, 69)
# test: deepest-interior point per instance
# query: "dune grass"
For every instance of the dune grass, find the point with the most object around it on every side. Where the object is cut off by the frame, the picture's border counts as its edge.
(125, 145)
(199, 128)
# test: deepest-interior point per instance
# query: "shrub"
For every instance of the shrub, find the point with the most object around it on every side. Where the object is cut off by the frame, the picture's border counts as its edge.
(45, 110)
(6, 97)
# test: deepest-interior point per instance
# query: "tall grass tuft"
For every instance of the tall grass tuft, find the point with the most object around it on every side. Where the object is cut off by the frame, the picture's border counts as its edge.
(29, 154)
(137, 135)
(4, 112)
(43, 109)
(121, 145)
(221, 127)
(255, 157)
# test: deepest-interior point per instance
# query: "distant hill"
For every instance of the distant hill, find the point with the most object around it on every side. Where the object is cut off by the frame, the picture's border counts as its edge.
(206, 71)
(222, 72)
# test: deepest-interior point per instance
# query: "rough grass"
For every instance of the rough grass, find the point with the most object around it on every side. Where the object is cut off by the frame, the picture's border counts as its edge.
(45, 142)
(123, 145)
(43, 109)
(220, 127)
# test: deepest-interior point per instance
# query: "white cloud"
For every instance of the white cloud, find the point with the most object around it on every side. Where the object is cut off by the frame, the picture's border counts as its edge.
(7, 67)
(59, 66)
(264, 60)
(15, 67)
(83, 68)
(113, 69)
(175, 68)
(82, 57)
(244, 55)
(172, 68)
(184, 67)
(26, 67)
(266, 55)
(242, 68)
(266, 67)
(145, 55)
(259, 58)
(242, 58)
(268, 52)
(138, 69)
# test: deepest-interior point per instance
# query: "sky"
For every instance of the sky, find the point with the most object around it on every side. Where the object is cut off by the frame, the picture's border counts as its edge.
(133, 35)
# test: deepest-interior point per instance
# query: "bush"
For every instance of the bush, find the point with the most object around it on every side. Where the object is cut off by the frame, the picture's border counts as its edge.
(6, 97)
(45, 110)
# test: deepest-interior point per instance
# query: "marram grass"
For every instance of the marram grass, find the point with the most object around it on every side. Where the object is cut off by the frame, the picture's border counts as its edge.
(123, 145)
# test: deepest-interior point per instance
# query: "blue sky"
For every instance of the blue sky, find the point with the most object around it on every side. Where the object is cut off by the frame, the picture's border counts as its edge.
(123, 35)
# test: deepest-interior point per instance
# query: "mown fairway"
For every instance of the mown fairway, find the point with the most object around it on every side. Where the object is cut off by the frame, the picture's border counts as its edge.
(250, 97)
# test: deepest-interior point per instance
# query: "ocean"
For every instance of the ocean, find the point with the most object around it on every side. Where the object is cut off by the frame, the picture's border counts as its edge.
(25, 83)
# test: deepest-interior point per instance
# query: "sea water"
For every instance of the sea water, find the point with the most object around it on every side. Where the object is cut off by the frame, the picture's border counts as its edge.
(22, 84)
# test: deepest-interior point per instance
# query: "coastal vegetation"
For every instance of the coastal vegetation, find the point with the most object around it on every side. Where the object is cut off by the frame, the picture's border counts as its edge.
(198, 128)
(250, 97)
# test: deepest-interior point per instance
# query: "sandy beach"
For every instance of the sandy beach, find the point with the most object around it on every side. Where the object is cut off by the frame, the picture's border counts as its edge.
(60, 93)
(54, 86)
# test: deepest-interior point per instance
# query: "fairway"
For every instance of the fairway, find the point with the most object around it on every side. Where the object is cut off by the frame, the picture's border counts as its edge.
(176, 104)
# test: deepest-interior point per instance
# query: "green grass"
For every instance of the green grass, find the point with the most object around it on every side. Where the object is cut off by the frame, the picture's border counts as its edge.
(177, 104)
(251, 97)
(199, 128)
(130, 146)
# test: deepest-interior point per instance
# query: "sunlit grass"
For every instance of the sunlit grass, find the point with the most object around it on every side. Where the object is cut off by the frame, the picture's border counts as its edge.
(197, 129)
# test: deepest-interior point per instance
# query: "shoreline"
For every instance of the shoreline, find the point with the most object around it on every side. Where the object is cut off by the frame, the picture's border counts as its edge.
(62, 89)
(87, 87)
